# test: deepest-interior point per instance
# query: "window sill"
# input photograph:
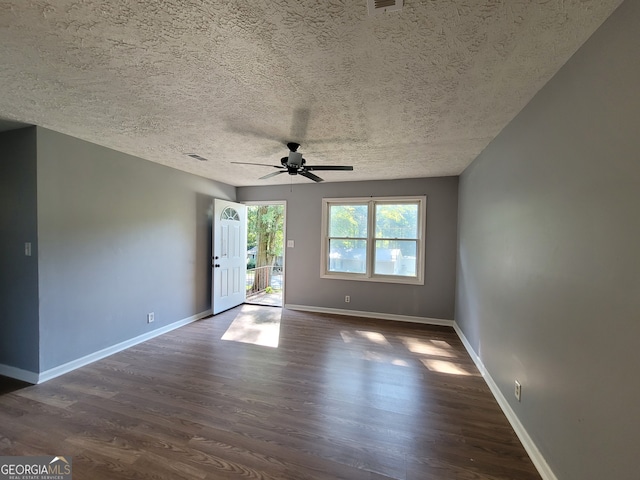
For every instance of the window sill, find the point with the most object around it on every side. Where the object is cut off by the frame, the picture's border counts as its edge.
(375, 278)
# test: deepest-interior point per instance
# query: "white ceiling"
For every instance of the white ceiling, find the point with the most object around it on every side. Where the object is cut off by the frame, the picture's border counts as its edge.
(414, 93)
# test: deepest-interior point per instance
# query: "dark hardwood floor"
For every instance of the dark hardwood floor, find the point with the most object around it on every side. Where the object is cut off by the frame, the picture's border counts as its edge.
(339, 398)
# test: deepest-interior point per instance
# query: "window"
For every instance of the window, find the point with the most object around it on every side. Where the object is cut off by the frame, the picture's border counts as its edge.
(379, 239)
(229, 214)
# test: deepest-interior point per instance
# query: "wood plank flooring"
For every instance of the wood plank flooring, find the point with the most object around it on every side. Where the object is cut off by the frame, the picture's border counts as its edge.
(339, 398)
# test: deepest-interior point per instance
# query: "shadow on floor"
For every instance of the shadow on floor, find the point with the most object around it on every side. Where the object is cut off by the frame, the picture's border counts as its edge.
(8, 385)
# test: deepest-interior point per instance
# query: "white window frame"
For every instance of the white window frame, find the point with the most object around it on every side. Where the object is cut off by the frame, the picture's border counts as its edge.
(369, 276)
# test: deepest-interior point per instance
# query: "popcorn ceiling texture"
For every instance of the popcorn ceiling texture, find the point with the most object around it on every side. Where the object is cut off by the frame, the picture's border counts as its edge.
(414, 93)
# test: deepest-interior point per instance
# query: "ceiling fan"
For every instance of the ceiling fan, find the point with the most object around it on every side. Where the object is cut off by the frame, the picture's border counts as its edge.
(294, 164)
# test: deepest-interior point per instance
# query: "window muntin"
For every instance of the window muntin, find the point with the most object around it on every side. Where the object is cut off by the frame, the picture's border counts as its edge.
(374, 239)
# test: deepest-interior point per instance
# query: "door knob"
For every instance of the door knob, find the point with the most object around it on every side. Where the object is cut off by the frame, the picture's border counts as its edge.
(216, 265)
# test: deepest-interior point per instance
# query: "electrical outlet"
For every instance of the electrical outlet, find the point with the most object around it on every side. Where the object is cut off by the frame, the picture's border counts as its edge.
(150, 317)
(518, 390)
(347, 299)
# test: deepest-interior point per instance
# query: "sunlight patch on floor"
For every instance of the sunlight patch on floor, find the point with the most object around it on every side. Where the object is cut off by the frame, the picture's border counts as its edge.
(374, 337)
(256, 325)
(436, 355)
(380, 357)
(445, 366)
(438, 348)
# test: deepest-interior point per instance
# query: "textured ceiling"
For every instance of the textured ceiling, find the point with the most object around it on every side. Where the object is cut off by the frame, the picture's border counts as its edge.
(414, 93)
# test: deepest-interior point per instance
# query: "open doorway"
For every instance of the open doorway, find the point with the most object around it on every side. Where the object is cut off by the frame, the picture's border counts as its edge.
(265, 253)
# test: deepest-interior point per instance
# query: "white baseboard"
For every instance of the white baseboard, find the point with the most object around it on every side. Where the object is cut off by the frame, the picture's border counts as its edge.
(536, 457)
(32, 377)
(18, 373)
(380, 316)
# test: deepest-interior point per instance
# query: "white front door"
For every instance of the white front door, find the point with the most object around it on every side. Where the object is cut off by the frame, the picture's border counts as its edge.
(229, 259)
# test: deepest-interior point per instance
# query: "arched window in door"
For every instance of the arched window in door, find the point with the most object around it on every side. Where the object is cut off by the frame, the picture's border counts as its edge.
(229, 214)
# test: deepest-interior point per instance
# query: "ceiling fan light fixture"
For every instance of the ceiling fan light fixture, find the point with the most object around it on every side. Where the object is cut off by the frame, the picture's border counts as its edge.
(382, 6)
(295, 159)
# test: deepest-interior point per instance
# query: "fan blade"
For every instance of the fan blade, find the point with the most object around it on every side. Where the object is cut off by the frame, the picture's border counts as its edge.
(259, 164)
(311, 176)
(269, 175)
(328, 167)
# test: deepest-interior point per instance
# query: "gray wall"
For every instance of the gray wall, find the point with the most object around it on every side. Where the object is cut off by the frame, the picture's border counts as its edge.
(304, 216)
(549, 260)
(118, 237)
(19, 335)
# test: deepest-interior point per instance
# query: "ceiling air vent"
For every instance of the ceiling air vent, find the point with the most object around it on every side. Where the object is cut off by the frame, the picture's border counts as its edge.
(382, 6)
(197, 157)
